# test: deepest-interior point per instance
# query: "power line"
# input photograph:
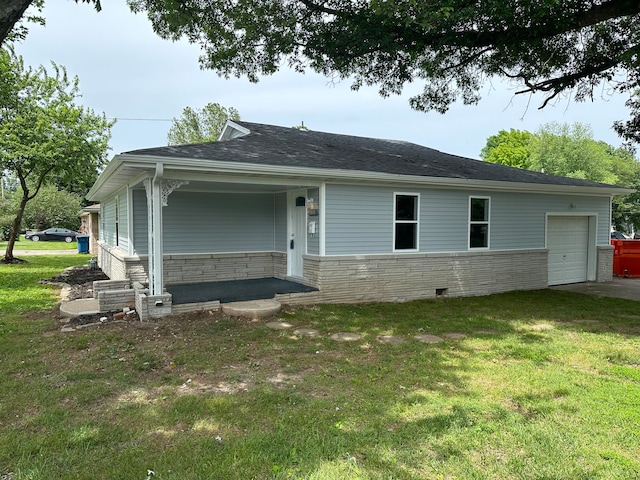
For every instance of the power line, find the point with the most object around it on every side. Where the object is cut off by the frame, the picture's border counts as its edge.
(141, 119)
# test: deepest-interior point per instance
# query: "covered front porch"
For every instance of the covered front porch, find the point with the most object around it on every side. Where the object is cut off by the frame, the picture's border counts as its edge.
(235, 290)
(208, 231)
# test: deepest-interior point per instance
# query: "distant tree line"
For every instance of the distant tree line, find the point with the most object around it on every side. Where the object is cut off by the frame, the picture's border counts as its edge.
(571, 151)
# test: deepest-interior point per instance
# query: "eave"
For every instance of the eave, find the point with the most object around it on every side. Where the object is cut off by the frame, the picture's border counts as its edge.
(124, 168)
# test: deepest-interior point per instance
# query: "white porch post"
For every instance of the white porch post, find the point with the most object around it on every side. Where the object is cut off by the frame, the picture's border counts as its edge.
(158, 191)
(156, 283)
(153, 188)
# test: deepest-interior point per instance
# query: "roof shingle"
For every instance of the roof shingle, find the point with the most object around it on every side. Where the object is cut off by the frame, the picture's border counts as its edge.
(282, 146)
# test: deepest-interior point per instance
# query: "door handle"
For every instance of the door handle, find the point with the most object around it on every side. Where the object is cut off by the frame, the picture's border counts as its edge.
(291, 244)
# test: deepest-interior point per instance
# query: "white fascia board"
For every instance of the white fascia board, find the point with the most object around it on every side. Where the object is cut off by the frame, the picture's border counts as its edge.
(111, 167)
(174, 164)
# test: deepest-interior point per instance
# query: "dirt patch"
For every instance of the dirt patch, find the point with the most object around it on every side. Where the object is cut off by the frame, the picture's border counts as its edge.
(104, 318)
(79, 280)
(79, 275)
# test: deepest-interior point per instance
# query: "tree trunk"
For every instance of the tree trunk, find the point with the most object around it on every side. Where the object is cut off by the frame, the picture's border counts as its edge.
(10, 12)
(15, 229)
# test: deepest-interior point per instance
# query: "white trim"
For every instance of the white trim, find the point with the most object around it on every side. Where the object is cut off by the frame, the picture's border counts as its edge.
(416, 221)
(477, 222)
(232, 130)
(322, 242)
(130, 219)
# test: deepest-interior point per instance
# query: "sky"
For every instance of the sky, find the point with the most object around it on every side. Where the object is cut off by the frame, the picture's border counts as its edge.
(129, 73)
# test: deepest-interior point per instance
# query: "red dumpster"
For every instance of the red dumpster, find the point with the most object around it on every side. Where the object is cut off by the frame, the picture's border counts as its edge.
(626, 258)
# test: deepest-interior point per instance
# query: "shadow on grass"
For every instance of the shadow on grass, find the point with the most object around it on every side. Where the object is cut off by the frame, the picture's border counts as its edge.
(211, 397)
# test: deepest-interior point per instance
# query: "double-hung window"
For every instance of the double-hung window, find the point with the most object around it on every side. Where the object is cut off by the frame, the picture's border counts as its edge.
(406, 208)
(479, 217)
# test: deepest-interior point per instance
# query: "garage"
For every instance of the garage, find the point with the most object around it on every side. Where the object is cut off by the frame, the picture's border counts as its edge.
(568, 245)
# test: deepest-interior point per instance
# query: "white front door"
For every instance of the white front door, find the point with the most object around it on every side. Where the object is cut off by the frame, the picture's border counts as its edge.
(297, 242)
(568, 245)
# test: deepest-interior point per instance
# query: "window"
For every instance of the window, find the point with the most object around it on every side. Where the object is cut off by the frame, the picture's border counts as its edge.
(405, 234)
(479, 222)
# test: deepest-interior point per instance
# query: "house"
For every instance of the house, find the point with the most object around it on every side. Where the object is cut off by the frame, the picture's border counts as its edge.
(89, 226)
(358, 219)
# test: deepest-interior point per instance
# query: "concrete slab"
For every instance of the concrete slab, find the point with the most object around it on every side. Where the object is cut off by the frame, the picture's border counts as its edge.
(620, 287)
(83, 306)
(252, 309)
(346, 337)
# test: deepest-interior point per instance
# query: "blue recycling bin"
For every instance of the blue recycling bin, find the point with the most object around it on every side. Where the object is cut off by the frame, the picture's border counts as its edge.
(83, 243)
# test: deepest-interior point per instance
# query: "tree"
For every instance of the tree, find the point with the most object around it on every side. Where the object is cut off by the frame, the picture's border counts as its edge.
(51, 208)
(455, 47)
(198, 126)
(43, 133)
(571, 151)
(511, 148)
(556, 47)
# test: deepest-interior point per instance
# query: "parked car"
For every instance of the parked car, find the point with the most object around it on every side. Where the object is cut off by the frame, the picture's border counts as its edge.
(59, 234)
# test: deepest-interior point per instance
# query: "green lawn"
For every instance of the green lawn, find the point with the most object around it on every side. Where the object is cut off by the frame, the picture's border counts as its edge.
(23, 244)
(545, 385)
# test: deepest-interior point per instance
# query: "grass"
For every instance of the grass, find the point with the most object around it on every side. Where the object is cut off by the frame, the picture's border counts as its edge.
(19, 288)
(23, 244)
(545, 385)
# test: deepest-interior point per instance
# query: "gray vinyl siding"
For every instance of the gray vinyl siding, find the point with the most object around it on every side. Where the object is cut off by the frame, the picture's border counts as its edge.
(280, 222)
(521, 218)
(200, 222)
(359, 219)
(108, 221)
(123, 222)
(140, 227)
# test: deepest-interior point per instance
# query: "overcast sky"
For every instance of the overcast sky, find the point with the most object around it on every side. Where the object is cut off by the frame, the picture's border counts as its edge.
(128, 72)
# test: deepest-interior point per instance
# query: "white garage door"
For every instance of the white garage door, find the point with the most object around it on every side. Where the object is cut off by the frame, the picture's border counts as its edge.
(568, 244)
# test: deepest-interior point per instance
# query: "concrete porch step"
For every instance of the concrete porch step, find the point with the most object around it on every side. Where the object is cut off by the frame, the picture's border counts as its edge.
(252, 309)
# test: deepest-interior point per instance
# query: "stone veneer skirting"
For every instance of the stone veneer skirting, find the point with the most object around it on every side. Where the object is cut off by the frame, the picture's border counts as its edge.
(604, 264)
(398, 278)
(194, 268)
(361, 278)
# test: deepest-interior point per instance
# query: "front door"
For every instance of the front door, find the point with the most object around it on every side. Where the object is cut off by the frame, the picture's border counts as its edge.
(297, 245)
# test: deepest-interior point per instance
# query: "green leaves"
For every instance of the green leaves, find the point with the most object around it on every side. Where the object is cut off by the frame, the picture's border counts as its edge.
(198, 126)
(44, 135)
(454, 46)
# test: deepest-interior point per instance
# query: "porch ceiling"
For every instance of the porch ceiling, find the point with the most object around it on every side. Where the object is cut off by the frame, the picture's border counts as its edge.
(133, 174)
(232, 187)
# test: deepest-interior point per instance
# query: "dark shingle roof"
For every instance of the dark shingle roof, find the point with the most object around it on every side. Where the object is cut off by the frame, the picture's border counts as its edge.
(282, 146)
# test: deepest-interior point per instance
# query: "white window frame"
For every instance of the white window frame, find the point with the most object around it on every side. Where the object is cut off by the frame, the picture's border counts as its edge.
(486, 222)
(416, 221)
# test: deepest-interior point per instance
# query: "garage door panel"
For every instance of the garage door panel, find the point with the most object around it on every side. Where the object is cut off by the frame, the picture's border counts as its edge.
(568, 245)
